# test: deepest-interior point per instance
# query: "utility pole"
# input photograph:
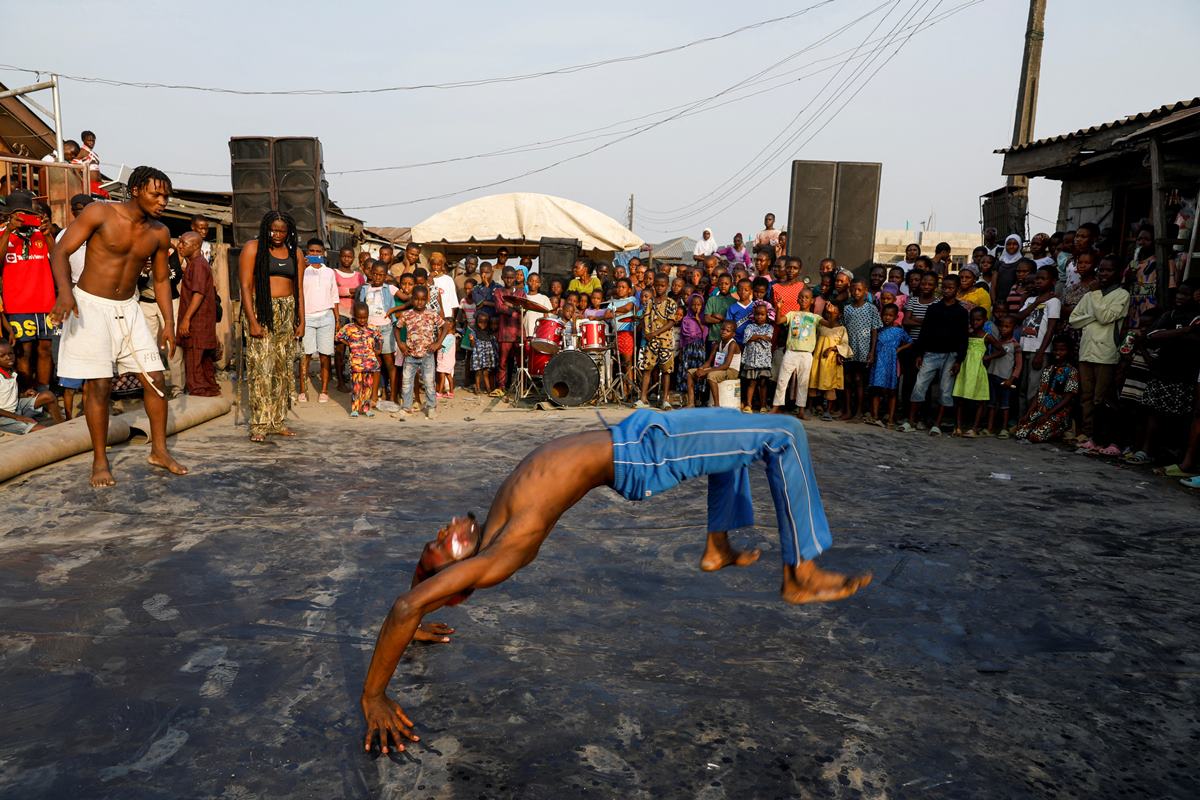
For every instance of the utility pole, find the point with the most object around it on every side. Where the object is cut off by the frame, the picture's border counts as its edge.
(630, 213)
(1027, 92)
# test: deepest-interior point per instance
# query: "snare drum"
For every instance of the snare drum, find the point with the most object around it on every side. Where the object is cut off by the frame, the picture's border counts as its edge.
(593, 335)
(547, 335)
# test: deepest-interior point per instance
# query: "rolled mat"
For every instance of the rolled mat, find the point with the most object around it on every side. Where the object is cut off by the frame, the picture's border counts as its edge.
(44, 447)
(183, 412)
(19, 455)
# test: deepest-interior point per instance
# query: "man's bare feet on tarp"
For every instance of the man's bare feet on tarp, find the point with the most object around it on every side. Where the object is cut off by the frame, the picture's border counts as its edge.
(718, 554)
(807, 583)
(163, 459)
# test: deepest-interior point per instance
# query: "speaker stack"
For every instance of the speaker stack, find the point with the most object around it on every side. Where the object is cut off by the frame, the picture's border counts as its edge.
(285, 173)
(833, 211)
(556, 259)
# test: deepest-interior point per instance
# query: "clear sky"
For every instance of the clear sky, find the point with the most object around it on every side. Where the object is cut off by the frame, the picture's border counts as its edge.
(932, 115)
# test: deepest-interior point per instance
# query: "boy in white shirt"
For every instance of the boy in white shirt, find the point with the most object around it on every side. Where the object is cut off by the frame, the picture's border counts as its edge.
(320, 317)
(16, 412)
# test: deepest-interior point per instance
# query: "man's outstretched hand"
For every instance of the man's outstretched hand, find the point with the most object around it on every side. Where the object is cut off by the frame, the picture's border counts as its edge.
(386, 719)
(433, 632)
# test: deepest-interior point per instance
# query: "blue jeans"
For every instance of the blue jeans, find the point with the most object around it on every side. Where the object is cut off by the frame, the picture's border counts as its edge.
(426, 364)
(936, 365)
(653, 452)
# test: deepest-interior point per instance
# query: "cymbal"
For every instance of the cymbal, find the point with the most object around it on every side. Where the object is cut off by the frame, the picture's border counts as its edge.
(525, 303)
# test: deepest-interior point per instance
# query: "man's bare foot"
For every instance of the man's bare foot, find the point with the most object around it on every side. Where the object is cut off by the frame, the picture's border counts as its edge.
(718, 554)
(807, 583)
(168, 463)
(800, 413)
(258, 438)
(102, 476)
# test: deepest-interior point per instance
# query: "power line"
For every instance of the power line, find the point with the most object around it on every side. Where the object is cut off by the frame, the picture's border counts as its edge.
(635, 132)
(598, 133)
(567, 70)
(734, 177)
(862, 86)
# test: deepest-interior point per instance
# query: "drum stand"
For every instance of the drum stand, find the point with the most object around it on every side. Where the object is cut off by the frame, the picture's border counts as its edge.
(524, 383)
(612, 377)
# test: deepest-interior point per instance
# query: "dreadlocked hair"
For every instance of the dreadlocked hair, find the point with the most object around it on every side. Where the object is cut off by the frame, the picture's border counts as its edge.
(142, 176)
(262, 274)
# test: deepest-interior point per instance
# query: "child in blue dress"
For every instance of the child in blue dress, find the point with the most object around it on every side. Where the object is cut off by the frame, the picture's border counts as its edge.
(886, 342)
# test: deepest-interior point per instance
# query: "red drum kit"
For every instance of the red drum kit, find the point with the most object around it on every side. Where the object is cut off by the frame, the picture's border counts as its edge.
(570, 377)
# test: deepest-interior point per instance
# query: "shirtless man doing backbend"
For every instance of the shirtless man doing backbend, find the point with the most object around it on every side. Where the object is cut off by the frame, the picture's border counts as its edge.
(103, 326)
(644, 455)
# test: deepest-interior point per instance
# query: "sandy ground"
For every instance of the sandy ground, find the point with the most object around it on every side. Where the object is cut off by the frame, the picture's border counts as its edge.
(1031, 631)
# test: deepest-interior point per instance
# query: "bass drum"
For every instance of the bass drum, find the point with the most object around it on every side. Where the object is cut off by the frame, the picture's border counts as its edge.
(571, 378)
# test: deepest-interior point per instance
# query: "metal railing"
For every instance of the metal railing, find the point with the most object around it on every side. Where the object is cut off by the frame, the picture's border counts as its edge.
(52, 182)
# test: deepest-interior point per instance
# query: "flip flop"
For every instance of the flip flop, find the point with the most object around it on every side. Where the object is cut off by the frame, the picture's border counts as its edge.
(1174, 471)
(1192, 482)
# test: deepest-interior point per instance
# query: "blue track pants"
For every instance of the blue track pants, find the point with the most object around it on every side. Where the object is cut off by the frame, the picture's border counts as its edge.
(653, 451)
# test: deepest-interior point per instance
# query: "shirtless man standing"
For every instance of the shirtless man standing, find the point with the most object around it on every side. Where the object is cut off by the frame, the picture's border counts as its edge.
(102, 322)
(644, 455)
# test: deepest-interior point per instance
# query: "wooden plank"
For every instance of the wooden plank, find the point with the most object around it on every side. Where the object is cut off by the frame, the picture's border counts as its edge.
(1158, 213)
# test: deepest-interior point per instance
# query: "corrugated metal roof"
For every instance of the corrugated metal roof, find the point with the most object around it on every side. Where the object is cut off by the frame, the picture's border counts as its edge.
(1141, 117)
(395, 235)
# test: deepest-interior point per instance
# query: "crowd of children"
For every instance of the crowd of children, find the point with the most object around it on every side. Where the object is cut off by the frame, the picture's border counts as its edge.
(1054, 341)
(1057, 340)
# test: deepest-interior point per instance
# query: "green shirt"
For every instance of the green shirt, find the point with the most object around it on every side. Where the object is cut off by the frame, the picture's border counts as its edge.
(802, 330)
(717, 306)
(592, 284)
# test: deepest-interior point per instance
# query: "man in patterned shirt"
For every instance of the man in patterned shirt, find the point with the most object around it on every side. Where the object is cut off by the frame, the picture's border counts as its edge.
(425, 329)
(658, 323)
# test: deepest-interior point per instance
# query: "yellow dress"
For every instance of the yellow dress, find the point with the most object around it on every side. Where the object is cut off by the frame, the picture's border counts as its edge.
(826, 371)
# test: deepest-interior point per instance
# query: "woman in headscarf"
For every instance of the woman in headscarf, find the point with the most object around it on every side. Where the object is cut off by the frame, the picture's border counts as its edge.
(1005, 271)
(707, 245)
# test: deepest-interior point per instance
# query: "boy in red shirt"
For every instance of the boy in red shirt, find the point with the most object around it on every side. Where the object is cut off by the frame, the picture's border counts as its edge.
(28, 288)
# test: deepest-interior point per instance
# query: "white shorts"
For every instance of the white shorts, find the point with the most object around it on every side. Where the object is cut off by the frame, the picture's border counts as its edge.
(106, 337)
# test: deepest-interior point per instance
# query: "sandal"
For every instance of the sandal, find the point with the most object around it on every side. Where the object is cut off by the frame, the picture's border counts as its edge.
(1175, 471)
(1112, 451)
(1139, 458)
(496, 393)
(258, 438)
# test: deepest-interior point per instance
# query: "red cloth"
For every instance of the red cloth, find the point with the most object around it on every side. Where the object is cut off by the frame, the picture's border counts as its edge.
(28, 281)
(198, 280)
(200, 371)
(787, 297)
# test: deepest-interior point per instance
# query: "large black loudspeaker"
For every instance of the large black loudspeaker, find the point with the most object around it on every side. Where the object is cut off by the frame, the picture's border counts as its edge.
(833, 212)
(284, 173)
(810, 212)
(556, 259)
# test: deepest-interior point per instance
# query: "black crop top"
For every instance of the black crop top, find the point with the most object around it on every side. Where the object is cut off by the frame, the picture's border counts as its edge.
(281, 267)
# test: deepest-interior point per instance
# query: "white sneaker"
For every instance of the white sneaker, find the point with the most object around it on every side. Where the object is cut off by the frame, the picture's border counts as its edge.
(935, 431)
(906, 427)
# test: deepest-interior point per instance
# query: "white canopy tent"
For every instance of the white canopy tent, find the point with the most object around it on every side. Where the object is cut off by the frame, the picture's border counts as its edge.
(520, 221)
